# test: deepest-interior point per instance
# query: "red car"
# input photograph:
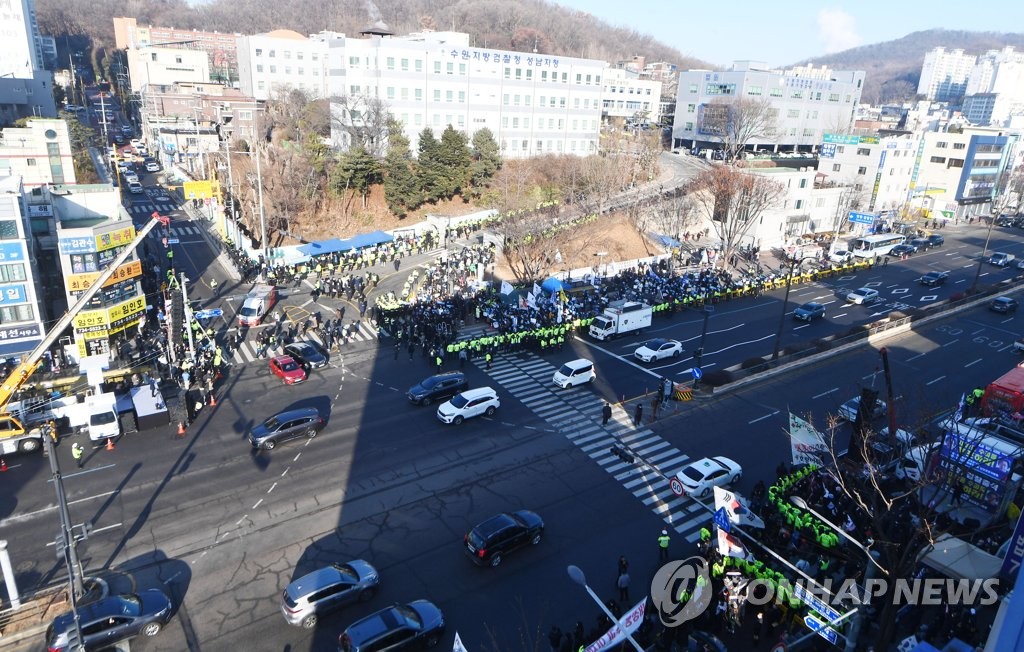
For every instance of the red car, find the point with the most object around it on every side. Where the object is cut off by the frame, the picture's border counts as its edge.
(287, 369)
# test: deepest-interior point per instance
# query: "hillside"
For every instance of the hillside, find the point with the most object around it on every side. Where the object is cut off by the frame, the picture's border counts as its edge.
(894, 67)
(526, 25)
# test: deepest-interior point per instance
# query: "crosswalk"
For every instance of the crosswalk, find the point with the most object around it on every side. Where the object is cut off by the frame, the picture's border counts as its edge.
(248, 350)
(177, 231)
(147, 209)
(577, 415)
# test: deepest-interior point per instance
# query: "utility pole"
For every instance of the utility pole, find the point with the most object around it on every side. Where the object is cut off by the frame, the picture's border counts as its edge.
(263, 214)
(231, 194)
(188, 316)
(67, 535)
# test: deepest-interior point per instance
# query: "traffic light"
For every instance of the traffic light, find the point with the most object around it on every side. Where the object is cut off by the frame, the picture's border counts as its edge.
(622, 454)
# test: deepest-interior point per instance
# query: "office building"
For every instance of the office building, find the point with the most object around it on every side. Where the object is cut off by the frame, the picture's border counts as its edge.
(220, 48)
(276, 62)
(629, 98)
(878, 168)
(160, 66)
(22, 324)
(944, 74)
(26, 87)
(38, 153)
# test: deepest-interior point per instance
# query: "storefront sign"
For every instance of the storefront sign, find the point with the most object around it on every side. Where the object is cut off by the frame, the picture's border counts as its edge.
(11, 294)
(116, 238)
(82, 282)
(16, 332)
(12, 252)
(83, 245)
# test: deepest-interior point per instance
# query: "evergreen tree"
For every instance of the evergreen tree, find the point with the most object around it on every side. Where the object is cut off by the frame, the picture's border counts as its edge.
(486, 161)
(401, 187)
(455, 159)
(357, 171)
(432, 175)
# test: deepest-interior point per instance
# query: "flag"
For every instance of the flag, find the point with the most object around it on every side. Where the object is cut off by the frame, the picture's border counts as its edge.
(522, 301)
(730, 546)
(531, 300)
(506, 287)
(458, 646)
(959, 414)
(736, 508)
(561, 295)
(808, 445)
(619, 631)
(536, 290)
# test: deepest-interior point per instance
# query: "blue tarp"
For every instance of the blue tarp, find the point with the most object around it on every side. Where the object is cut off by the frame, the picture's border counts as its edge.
(335, 245)
(552, 284)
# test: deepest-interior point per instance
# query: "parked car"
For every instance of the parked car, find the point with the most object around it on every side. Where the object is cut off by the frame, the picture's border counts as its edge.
(439, 387)
(699, 477)
(1001, 259)
(921, 244)
(468, 404)
(658, 349)
(905, 249)
(135, 187)
(307, 354)
(410, 626)
(328, 589)
(863, 296)
(501, 534)
(809, 311)
(934, 279)
(112, 619)
(303, 422)
(936, 240)
(848, 410)
(840, 256)
(288, 370)
(152, 166)
(1004, 305)
(1006, 220)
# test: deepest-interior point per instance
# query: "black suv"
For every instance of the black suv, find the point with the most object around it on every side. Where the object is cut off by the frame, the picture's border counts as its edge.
(304, 422)
(306, 353)
(401, 627)
(501, 534)
(438, 388)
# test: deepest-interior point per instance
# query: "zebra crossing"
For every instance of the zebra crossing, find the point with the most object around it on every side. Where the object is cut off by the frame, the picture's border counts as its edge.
(147, 209)
(576, 413)
(248, 350)
(177, 231)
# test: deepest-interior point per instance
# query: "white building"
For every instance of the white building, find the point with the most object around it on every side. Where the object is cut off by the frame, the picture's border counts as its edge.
(278, 61)
(38, 153)
(21, 320)
(533, 103)
(995, 87)
(807, 102)
(628, 97)
(944, 74)
(26, 88)
(158, 66)
(879, 168)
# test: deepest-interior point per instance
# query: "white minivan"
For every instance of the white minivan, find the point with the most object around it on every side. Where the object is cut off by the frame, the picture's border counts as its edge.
(575, 372)
(103, 421)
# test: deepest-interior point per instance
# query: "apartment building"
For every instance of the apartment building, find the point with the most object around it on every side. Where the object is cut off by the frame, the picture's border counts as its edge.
(39, 153)
(22, 323)
(220, 48)
(944, 74)
(26, 87)
(627, 97)
(995, 88)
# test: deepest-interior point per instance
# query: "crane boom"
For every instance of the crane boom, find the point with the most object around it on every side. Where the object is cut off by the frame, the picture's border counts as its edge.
(27, 367)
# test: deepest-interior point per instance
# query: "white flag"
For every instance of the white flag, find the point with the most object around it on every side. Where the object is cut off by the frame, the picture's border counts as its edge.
(506, 287)
(536, 290)
(531, 300)
(736, 508)
(808, 445)
(458, 647)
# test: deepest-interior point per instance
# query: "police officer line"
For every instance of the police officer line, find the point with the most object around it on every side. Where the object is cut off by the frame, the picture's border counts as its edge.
(247, 351)
(577, 414)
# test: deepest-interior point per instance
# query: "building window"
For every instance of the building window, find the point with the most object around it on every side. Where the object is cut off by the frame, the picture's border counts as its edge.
(437, 95)
(529, 74)
(22, 312)
(8, 230)
(938, 159)
(437, 67)
(515, 100)
(754, 90)
(803, 183)
(508, 73)
(299, 56)
(833, 97)
(862, 170)
(836, 167)
(419, 65)
(799, 204)
(690, 108)
(793, 113)
(504, 122)
(391, 92)
(941, 144)
(863, 151)
(579, 80)
(405, 65)
(390, 63)
(515, 123)
(273, 70)
(797, 95)
(526, 123)
(504, 99)
(462, 69)
(775, 92)
(288, 70)
(418, 94)
(302, 71)
(693, 88)
(819, 202)
(404, 93)
(720, 89)
(462, 98)
(688, 126)
(449, 96)
(956, 163)
(14, 272)
(450, 68)
(543, 75)
(959, 145)
(354, 89)
(259, 52)
(353, 62)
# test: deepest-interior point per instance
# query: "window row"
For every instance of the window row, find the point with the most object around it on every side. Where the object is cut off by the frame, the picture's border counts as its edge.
(287, 70)
(20, 312)
(631, 91)
(287, 54)
(551, 123)
(575, 146)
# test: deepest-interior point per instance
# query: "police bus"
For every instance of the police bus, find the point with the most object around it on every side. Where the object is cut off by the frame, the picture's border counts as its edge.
(871, 246)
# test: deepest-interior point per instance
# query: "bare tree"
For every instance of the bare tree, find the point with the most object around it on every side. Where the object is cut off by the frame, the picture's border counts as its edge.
(736, 122)
(733, 200)
(363, 120)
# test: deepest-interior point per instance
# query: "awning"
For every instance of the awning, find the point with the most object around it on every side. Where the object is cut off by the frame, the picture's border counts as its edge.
(335, 245)
(552, 284)
(957, 559)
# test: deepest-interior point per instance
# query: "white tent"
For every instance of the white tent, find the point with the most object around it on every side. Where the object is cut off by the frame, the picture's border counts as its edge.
(957, 559)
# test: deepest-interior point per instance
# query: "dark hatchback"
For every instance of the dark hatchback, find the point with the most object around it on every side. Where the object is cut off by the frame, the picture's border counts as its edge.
(304, 422)
(306, 354)
(1004, 305)
(491, 540)
(934, 279)
(936, 240)
(437, 388)
(112, 619)
(418, 624)
(809, 311)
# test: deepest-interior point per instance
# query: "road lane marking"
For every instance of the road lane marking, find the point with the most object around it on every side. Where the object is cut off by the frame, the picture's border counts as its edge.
(272, 487)
(919, 355)
(838, 316)
(285, 471)
(953, 342)
(767, 416)
(834, 389)
(258, 503)
(799, 327)
(296, 458)
(930, 383)
(53, 507)
(972, 363)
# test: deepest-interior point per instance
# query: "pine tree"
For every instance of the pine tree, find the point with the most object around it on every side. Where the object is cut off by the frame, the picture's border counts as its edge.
(486, 161)
(357, 171)
(455, 159)
(401, 187)
(432, 176)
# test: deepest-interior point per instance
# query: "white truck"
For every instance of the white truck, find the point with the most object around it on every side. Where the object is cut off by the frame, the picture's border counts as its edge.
(103, 423)
(257, 304)
(620, 317)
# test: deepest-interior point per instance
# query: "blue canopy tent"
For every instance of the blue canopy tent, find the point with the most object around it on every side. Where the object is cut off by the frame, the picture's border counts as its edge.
(335, 245)
(552, 285)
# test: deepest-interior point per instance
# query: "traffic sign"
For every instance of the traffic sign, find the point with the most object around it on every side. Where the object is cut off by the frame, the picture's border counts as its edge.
(721, 519)
(208, 314)
(814, 602)
(173, 241)
(857, 217)
(822, 629)
(676, 486)
(697, 373)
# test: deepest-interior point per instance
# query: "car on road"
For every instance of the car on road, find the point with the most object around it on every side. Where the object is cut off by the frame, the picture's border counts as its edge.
(809, 311)
(658, 349)
(130, 176)
(468, 404)
(934, 279)
(288, 369)
(135, 187)
(152, 166)
(574, 372)
(936, 240)
(848, 410)
(307, 354)
(112, 619)
(840, 256)
(126, 129)
(328, 589)
(699, 477)
(489, 541)
(302, 422)
(439, 387)
(1004, 305)
(921, 244)
(1001, 259)
(863, 296)
(1006, 220)
(901, 250)
(411, 626)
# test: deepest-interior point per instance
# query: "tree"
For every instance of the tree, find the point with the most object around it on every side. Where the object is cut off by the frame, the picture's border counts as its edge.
(736, 122)
(733, 200)
(432, 175)
(362, 121)
(357, 171)
(486, 161)
(453, 157)
(401, 187)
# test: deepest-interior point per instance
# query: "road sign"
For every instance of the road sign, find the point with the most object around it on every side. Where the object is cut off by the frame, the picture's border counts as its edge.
(173, 241)
(209, 314)
(676, 486)
(857, 217)
(815, 603)
(721, 519)
(697, 373)
(822, 629)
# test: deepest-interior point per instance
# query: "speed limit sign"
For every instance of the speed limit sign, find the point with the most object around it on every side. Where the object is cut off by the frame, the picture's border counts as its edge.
(676, 486)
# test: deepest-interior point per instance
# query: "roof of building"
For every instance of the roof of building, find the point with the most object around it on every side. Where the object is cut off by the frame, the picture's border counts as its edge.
(284, 33)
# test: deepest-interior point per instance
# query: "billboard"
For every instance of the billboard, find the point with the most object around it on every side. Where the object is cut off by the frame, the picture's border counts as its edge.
(981, 470)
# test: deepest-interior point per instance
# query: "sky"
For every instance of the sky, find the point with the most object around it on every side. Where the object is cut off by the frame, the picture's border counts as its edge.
(781, 32)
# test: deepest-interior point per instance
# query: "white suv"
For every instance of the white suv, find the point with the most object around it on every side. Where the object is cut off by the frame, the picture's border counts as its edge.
(470, 403)
(863, 296)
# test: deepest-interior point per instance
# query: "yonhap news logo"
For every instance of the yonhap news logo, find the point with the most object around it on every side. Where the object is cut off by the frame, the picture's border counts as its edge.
(681, 590)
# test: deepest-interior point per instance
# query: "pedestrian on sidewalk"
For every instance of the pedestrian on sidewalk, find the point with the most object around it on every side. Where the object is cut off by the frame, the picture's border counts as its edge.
(638, 415)
(606, 413)
(78, 453)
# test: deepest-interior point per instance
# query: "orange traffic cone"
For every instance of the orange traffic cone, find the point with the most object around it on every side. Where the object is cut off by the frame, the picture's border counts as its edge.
(181, 429)
(3, 465)
(213, 401)
(110, 443)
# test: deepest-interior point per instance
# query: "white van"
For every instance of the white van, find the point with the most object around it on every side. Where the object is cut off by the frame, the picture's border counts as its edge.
(103, 421)
(575, 372)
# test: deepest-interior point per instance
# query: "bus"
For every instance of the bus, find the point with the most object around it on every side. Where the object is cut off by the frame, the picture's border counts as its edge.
(879, 244)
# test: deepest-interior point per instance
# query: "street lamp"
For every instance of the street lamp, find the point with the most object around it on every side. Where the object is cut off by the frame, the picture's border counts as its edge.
(577, 576)
(698, 355)
(794, 263)
(869, 570)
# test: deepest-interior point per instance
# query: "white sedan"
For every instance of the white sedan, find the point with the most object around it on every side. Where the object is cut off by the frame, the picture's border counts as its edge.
(701, 476)
(659, 349)
(848, 410)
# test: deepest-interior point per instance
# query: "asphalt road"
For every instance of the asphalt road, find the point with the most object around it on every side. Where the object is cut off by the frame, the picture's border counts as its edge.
(224, 530)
